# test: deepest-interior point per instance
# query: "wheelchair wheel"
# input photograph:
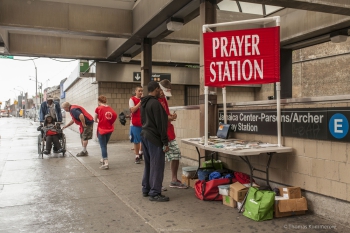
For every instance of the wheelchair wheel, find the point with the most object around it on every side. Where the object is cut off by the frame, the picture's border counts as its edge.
(63, 143)
(41, 146)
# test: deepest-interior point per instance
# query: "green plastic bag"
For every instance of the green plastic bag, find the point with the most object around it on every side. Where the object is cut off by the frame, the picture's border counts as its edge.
(259, 204)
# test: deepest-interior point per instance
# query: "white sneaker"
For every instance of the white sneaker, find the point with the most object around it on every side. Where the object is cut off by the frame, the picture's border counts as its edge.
(104, 167)
(164, 189)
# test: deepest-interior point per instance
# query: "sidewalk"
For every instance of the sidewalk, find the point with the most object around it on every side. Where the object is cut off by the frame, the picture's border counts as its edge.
(70, 194)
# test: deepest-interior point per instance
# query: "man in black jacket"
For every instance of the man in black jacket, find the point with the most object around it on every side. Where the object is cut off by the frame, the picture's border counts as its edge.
(154, 141)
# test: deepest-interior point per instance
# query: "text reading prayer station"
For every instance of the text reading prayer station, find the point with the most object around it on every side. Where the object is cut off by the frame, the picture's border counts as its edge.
(240, 57)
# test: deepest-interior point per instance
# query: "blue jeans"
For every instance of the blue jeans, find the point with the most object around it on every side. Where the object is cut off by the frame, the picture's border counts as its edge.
(103, 139)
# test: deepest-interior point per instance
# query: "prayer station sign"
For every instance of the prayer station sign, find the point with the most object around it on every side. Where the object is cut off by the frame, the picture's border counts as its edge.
(242, 57)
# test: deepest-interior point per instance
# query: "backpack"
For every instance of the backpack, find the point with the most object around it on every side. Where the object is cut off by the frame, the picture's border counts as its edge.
(208, 190)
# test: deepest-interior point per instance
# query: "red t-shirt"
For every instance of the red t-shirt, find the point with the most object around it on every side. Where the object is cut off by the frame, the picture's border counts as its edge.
(106, 118)
(170, 131)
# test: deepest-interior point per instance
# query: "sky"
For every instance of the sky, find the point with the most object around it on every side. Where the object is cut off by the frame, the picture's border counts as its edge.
(15, 74)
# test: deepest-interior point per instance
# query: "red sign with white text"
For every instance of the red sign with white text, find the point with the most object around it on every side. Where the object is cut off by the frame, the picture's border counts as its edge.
(242, 57)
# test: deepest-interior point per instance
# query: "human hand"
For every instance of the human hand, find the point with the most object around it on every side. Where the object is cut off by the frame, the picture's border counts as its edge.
(165, 148)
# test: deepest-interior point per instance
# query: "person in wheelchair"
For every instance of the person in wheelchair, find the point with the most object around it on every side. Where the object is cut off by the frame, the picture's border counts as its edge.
(52, 134)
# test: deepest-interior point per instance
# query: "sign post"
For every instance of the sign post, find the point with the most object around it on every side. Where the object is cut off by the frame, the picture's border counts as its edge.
(242, 57)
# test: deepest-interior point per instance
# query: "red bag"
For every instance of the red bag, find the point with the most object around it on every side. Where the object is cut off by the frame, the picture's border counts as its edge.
(208, 190)
(242, 177)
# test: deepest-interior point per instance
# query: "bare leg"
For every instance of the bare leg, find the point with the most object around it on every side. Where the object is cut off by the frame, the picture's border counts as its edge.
(174, 165)
(137, 147)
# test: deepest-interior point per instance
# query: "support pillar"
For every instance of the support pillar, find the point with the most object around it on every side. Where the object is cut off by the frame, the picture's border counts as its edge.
(286, 73)
(207, 15)
(146, 64)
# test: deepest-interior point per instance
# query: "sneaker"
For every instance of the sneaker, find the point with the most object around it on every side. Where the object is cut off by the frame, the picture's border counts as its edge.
(101, 161)
(178, 184)
(104, 167)
(164, 189)
(159, 198)
(137, 160)
(60, 151)
(145, 194)
(140, 156)
(46, 152)
(82, 153)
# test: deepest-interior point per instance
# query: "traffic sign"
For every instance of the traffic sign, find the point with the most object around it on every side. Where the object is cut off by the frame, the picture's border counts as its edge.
(5, 56)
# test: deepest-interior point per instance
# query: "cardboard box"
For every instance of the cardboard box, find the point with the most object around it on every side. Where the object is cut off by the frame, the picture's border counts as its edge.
(185, 180)
(189, 171)
(227, 200)
(238, 191)
(290, 192)
(287, 207)
(192, 182)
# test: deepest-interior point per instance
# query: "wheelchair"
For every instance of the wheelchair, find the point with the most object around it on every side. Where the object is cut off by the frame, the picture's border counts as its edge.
(42, 142)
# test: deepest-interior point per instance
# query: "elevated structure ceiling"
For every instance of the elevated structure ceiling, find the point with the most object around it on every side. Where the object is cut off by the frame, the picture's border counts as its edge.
(107, 29)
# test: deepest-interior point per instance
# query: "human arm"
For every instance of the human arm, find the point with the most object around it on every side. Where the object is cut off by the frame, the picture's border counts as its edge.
(133, 108)
(96, 118)
(69, 124)
(82, 119)
(161, 120)
(172, 117)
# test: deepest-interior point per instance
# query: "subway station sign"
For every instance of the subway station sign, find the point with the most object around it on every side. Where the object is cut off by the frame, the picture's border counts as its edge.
(157, 77)
(321, 124)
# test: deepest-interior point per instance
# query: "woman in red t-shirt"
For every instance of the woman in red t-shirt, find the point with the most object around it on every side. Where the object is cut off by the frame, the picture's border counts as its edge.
(105, 117)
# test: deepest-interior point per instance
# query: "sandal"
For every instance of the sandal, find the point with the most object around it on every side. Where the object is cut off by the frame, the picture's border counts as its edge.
(178, 184)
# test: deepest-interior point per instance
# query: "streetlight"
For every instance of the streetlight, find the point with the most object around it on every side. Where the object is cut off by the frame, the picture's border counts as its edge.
(36, 85)
(40, 87)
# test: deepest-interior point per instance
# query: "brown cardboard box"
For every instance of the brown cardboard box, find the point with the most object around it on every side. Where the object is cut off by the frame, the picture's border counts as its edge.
(290, 192)
(238, 191)
(227, 200)
(185, 180)
(287, 207)
(192, 182)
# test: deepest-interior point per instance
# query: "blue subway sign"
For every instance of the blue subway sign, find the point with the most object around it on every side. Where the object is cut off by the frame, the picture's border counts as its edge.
(321, 124)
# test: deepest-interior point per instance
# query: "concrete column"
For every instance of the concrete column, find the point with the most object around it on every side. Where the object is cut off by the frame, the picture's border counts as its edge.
(146, 63)
(286, 73)
(207, 16)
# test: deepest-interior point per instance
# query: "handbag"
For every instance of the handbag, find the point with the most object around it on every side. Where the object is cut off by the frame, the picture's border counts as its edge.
(208, 190)
(259, 204)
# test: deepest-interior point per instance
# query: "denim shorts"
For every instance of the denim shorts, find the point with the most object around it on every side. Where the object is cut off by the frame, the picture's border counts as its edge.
(135, 134)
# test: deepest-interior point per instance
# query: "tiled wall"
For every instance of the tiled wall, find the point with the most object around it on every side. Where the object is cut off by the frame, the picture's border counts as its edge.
(321, 70)
(318, 166)
(187, 126)
(118, 95)
(82, 93)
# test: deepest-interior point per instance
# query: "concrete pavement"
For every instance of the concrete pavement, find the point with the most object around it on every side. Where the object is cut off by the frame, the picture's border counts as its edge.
(70, 194)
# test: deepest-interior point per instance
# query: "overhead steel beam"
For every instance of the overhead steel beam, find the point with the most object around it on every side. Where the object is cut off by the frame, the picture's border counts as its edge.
(341, 7)
(55, 46)
(146, 18)
(308, 27)
(65, 18)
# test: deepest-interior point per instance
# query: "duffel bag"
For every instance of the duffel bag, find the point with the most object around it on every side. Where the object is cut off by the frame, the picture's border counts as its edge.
(208, 190)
